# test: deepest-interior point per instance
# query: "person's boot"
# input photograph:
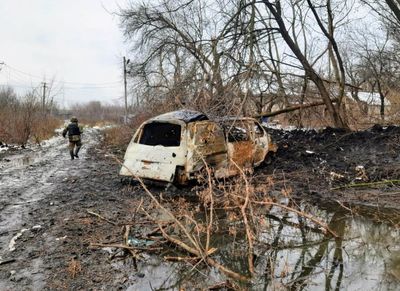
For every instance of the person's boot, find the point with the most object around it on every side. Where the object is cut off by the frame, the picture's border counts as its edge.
(71, 154)
(76, 152)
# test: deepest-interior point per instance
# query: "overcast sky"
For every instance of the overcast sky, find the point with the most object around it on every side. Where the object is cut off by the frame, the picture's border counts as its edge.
(75, 42)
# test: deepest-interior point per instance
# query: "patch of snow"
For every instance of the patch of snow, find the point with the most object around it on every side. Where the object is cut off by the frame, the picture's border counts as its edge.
(370, 98)
(275, 125)
(58, 132)
(51, 141)
(61, 238)
(107, 126)
(336, 176)
(11, 245)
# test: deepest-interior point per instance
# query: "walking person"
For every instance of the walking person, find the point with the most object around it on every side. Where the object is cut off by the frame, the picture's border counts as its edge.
(74, 136)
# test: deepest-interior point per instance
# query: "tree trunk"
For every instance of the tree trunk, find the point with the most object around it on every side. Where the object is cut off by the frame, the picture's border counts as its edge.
(309, 70)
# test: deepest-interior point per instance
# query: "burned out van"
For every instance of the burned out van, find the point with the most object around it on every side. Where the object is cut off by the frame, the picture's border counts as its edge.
(174, 147)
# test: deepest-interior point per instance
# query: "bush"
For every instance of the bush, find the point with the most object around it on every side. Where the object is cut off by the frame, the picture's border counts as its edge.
(45, 127)
(24, 119)
(117, 138)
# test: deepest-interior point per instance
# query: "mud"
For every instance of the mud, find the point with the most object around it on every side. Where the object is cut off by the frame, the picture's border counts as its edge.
(46, 229)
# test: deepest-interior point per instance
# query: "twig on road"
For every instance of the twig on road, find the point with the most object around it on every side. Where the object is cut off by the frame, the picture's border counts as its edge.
(101, 217)
(355, 185)
(7, 262)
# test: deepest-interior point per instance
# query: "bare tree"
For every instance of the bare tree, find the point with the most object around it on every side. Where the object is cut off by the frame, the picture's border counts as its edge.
(234, 56)
(311, 73)
(172, 36)
(388, 10)
(377, 66)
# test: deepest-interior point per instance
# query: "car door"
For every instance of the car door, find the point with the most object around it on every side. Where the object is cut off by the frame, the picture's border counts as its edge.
(206, 144)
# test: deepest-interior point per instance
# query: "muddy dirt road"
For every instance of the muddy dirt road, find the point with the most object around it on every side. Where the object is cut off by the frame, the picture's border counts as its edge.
(44, 225)
(46, 201)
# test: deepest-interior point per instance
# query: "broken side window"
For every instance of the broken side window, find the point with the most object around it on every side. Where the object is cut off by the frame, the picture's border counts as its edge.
(158, 133)
(237, 132)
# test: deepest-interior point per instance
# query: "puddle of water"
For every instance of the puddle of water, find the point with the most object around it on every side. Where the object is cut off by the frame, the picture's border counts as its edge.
(24, 160)
(293, 254)
(28, 160)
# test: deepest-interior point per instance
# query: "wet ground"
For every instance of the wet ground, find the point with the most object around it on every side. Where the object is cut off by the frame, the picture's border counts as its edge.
(47, 221)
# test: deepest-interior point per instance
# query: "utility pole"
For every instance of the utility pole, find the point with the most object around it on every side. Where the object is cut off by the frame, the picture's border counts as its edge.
(125, 91)
(44, 95)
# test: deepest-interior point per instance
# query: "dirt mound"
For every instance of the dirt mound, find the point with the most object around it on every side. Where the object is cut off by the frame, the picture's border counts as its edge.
(333, 159)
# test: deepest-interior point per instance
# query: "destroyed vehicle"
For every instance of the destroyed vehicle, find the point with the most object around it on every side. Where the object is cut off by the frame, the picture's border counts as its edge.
(174, 147)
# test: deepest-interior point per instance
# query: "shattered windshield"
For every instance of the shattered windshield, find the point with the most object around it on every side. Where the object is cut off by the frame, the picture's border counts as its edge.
(165, 134)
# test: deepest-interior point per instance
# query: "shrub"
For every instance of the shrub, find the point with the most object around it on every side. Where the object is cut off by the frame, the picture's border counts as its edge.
(117, 138)
(44, 128)
(24, 119)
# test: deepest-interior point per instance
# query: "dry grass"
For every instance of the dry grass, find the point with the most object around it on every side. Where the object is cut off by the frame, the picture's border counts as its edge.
(44, 128)
(19, 129)
(118, 136)
(74, 268)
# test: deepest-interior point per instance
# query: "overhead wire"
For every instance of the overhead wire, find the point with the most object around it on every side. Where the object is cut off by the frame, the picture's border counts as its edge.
(80, 85)
(20, 79)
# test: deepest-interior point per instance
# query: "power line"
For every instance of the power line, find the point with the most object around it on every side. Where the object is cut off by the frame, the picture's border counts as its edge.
(89, 84)
(22, 72)
(18, 86)
(86, 84)
(19, 79)
(13, 84)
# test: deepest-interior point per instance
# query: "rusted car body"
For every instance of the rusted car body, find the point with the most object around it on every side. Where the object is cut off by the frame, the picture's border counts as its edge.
(174, 147)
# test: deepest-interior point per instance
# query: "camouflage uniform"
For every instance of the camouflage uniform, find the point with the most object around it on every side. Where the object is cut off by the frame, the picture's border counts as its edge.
(74, 136)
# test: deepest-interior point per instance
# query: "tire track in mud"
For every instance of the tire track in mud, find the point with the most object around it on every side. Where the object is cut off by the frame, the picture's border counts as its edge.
(26, 180)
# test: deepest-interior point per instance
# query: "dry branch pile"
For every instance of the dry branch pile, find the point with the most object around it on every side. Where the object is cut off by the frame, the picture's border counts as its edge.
(234, 211)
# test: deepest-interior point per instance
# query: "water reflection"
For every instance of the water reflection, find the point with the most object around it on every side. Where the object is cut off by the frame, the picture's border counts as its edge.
(292, 254)
(24, 160)
(359, 258)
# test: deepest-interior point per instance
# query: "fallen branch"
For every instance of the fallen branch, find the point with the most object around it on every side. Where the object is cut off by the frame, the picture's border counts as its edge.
(344, 206)
(196, 249)
(308, 216)
(101, 217)
(7, 261)
(386, 182)
(294, 224)
(126, 233)
(154, 199)
(181, 259)
(292, 108)
(208, 260)
(121, 246)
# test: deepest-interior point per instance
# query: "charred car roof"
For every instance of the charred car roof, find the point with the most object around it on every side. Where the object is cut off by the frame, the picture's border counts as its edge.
(186, 116)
